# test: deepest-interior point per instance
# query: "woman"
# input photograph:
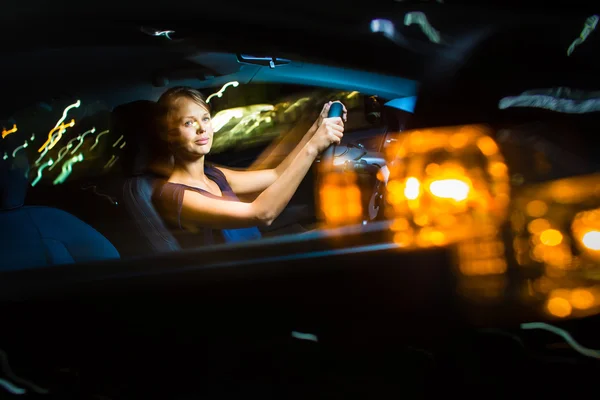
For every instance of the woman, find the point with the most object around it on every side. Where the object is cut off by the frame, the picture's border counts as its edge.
(201, 198)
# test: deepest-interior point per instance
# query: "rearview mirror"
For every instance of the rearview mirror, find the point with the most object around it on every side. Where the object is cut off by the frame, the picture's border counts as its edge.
(373, 109)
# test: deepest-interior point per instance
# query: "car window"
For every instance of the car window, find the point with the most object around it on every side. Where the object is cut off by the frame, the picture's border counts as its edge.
(252, 115)
(79, 152)
(63, 132)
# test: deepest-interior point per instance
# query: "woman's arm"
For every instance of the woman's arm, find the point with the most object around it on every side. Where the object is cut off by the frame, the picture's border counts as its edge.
(223, 214)
(253, 181)
(281, 147)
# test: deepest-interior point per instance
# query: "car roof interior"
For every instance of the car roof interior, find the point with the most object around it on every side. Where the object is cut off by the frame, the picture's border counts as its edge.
(139, 76)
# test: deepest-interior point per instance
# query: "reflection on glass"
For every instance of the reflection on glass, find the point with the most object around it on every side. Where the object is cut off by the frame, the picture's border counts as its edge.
(254, 124)
(6, 132)
(446, 185)
(68, 138)
(450, 186)
(556, 227)
(340, 199)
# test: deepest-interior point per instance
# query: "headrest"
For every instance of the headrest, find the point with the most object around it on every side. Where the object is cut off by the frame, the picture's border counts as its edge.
(14, 175)
(137, 123)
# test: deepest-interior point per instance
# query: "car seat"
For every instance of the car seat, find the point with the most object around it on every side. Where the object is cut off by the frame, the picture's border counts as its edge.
(135, 121)
(36, 236)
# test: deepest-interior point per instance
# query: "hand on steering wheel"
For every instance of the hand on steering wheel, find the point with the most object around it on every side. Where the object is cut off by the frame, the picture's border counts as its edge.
(335, 109)
(325, 112)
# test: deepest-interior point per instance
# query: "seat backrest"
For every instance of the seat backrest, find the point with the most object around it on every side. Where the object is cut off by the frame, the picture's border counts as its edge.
(137, 198)
(40, 236)
(135, 121)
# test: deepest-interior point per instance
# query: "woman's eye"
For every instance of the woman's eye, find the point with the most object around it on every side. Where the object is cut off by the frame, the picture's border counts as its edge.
(206, 119)
(189, 123)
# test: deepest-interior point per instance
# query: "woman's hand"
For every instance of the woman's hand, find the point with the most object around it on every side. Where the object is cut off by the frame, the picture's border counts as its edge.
(330, 132)
(325, 112)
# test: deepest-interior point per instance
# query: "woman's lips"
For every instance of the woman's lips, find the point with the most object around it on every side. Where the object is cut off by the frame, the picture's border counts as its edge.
(201, 141)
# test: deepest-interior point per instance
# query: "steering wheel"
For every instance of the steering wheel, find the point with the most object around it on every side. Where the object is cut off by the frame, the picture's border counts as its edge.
(335, 110)
(327, 158)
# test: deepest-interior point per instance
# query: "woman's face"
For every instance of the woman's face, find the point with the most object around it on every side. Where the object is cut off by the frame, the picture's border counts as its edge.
(190, 132)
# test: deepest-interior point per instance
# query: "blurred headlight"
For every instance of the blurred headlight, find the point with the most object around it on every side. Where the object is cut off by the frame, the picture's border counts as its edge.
(446, 185)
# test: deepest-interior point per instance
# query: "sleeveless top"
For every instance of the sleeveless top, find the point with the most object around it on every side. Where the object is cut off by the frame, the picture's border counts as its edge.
(171, 200)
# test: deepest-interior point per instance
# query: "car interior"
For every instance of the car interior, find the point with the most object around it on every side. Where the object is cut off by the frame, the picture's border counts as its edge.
(111, 187)
(450, 245)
